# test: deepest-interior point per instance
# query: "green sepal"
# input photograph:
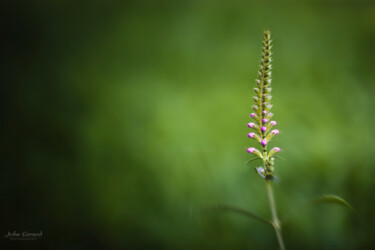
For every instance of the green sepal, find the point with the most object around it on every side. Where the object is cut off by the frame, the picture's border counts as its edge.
(256, 137)
(269, 135)
(272, 152)
(256, 118)
(257, 91)
(256, 109)
(268, 115)
(256, 100)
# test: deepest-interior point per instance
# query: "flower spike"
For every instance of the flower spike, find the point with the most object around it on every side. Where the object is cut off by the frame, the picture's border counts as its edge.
(262, 115)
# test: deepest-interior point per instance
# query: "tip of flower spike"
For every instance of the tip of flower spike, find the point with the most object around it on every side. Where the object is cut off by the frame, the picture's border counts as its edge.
(273, 123)
(264, 129)
(251, 124)
(252, 115)
(275, 132)
(264, 120)
(251, 150)
(263, 142)
(251, 135)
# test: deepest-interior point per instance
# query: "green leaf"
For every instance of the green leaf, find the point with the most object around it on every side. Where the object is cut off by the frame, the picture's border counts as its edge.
(333, 199)
(325, 198)
(240, 211)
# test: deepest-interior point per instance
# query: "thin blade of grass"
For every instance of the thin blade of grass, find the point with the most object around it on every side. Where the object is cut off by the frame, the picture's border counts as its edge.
(226, 208)
(333, 199)
(253, 159)
(324, 198)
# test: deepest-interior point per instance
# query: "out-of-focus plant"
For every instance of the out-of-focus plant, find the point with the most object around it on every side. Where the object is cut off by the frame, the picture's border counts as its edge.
(263, 132)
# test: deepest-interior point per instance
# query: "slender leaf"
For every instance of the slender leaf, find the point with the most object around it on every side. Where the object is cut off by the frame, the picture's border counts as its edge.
(279, 157)
(241, 211)
(253, 159)
(325, 198)
(333, 199)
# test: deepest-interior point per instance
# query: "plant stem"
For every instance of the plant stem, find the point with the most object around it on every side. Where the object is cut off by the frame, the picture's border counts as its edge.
(275, 220)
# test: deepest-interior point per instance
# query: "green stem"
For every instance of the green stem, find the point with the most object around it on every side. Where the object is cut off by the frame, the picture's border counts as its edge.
(275, 220)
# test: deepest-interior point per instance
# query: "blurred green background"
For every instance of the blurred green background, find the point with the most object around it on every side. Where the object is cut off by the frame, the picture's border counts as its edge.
(121, 120)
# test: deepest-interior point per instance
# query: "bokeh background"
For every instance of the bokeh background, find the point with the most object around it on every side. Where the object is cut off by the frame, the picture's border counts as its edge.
(121, 120)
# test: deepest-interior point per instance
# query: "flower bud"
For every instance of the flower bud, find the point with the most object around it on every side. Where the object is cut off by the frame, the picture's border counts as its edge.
(257, 91)
(268, 107)
(255, 151)
(268, 90)
(268, 115)
(251, 150)
(251, 124)
(266, 97)
(259, 83)
(271, 124)
(255, 117)
(275, 132)
(255, 108)
(264, 129)
(264, 120)
(251, 135)
(263, 142)
(256, 99)
(255, 136)
(273, 151)
(264, 112)
(272, 134)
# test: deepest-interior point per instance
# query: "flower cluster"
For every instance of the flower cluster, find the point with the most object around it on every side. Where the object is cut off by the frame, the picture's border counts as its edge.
(263, 125)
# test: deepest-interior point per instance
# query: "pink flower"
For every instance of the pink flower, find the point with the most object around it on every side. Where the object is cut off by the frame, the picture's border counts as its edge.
(264, 129)
(251, 135)
(251, 150)
(252, 115)
(264, 120)
(273, 123)
(264, 112)
(275, 132)
(251, 124)
(264, 142)
(273, 151)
